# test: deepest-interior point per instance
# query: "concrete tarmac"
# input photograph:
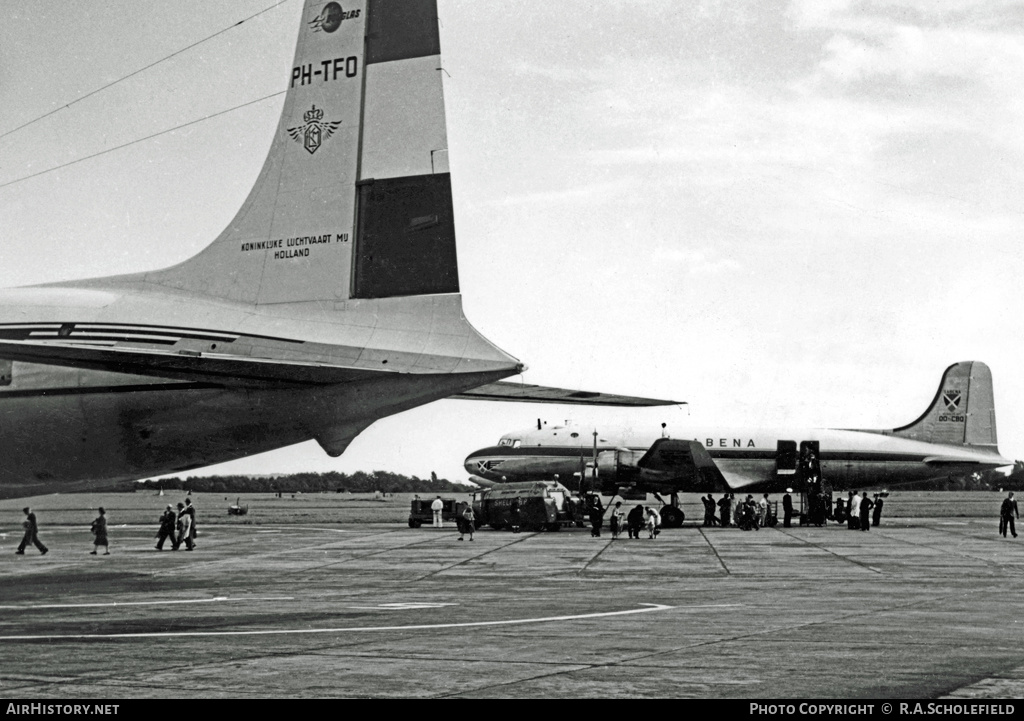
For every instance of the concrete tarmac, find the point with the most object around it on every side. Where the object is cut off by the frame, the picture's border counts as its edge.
(914, 608)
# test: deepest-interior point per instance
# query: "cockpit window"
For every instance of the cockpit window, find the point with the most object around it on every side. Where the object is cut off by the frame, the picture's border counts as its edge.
(514, 443)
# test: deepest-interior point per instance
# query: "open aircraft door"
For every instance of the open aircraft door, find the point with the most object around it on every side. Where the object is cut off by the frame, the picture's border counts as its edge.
(816, 498)
(786, 460)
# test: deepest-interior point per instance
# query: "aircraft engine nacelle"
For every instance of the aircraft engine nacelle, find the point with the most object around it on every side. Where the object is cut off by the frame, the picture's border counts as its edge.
(621, 464)
(483, 482)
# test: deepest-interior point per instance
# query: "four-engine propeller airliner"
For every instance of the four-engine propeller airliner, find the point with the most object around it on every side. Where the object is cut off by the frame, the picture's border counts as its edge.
(330, 301)
(956, 435)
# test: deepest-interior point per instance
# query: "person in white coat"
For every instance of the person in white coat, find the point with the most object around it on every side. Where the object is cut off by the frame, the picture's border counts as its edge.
(437, 506)
(854, 523)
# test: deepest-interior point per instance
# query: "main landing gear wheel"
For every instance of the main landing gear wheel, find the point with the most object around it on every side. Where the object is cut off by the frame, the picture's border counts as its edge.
(672, 517)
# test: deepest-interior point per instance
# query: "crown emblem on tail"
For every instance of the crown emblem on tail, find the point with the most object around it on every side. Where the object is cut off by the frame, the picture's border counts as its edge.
(314, 132)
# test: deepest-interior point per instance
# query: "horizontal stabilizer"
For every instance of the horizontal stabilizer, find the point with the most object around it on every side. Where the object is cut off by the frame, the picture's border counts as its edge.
(525, 393)
(193, 366)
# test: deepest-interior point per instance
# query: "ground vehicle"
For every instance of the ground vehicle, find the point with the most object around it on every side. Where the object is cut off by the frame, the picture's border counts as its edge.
(420, 511)
(539, 505)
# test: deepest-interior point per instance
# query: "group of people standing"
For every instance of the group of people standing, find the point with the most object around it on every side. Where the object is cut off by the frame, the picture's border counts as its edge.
(178, 526)
(638, 519)
(746, 514)
(859, 511)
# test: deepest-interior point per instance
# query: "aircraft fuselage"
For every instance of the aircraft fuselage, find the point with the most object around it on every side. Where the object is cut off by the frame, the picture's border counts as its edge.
(749, 459)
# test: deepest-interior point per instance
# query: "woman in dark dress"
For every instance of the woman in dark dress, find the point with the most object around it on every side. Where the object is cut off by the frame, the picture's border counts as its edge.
(99, 530)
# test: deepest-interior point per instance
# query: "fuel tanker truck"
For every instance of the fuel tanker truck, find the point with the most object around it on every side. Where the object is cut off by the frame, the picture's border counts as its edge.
(530, 505)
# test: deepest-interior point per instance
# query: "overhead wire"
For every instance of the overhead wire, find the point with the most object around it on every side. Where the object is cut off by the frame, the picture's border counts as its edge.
(139, 140)
(140, 70)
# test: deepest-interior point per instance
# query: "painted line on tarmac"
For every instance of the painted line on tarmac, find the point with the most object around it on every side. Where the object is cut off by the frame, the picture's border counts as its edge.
(714, 551)
(526, 536)
(405, 606)
(829, 550)
(217, 599)
(939, 550)
(649, 608)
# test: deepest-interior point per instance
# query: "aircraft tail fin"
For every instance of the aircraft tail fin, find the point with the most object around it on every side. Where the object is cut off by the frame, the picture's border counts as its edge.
(962, 412)
(354, 200)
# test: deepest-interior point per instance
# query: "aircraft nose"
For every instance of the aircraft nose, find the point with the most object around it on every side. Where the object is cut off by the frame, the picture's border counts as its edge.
(476, 463)
(470, 464)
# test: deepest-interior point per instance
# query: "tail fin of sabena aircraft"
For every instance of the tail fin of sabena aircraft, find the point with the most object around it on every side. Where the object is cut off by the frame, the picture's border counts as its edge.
(354, 200)
(963, 412)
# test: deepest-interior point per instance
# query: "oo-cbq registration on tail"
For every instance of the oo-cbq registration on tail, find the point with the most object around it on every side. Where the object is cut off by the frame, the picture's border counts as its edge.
(331, 300)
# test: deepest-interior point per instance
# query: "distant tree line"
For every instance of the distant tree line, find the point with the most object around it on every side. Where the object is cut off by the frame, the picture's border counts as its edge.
(333, 482)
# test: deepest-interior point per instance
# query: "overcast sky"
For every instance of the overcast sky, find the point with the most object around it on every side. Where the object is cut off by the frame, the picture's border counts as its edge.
(781, 212)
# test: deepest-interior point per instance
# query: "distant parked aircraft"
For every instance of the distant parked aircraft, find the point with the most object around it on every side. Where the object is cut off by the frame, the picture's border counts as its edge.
(956, 435)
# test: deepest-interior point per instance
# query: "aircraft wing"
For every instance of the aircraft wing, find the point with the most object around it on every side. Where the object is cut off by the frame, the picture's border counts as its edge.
(237, 370)
(526, 393)
(683, 460)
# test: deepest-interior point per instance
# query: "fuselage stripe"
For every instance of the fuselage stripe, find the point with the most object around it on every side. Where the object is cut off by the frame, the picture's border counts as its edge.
(95, 390)
(8, 331)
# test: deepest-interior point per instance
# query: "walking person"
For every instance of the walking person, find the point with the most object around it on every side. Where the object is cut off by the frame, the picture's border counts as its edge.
(1007, 512)
(99, 531)
(32, 534)
(192, 530)
(876, 514)
(184, 524)
(437, 506)
(467, 521)
(460, 523)
(167, 527)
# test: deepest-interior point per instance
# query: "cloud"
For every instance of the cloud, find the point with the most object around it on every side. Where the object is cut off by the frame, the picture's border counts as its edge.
(697, 262)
